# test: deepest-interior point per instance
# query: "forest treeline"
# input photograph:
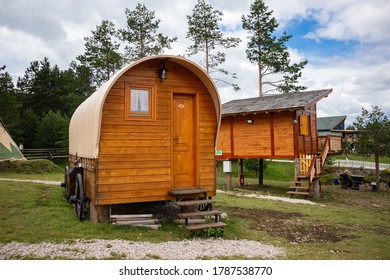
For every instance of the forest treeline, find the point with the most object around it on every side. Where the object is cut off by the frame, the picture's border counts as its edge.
(37, 107)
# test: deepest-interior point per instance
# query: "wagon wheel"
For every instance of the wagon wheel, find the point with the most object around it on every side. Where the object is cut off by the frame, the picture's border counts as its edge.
(80, 199)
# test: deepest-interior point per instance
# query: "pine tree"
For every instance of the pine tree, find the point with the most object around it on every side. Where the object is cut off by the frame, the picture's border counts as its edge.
(204, 31)
(9, 104)
(270, 53)
(141, 34)
(374, 136)
(102, 54)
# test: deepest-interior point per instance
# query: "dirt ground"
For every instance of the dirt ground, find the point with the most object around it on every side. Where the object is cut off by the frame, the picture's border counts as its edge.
(289, 226)
(294, 228)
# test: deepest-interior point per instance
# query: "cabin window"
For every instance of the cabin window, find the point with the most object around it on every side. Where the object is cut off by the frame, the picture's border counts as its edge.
(140, 103)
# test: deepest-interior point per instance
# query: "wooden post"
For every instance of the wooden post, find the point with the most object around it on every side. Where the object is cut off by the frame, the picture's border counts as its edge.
(316, 188)
(229, 180)
(297, 164)
(227, 168)
(261, 172)
(99, 213)
(240, 172)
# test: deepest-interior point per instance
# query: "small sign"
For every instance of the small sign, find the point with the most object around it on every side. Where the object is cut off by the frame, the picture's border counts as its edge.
(227, 166)
(218, 153)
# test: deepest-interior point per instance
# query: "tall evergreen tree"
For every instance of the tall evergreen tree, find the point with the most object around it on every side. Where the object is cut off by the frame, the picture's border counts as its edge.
(45, 88)
(270, 53)
(9, 104)
(102, 54)
(40, 87)
(28, 126)
(204, 31)
(374, 136)
(52, 131)
(141, 37)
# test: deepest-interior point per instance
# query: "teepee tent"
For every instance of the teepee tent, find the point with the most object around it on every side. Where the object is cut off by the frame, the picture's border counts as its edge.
(8, 149)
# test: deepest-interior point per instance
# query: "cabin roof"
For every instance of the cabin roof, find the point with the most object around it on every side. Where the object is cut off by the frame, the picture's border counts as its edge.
(329, 123)
(84, 128)
(280, 102)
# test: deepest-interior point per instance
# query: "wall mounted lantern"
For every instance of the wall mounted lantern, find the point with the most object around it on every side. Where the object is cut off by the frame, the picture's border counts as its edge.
(163, 73)
(249, 121)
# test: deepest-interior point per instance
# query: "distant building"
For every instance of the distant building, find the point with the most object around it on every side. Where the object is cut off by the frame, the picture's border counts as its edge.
(335, 128)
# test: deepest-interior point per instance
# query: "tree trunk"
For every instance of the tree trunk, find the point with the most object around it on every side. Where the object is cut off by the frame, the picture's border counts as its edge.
(261, 172)
(240, 172)
(260, 80)
(377, 172)
(316, 189)
(207, 58)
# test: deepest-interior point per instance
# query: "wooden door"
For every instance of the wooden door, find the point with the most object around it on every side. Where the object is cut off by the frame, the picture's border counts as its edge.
(183, 138)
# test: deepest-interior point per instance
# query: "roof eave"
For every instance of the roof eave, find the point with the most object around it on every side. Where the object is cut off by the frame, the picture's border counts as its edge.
(318, 98)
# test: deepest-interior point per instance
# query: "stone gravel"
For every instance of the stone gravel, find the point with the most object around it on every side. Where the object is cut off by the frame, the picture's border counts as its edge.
(124, 249)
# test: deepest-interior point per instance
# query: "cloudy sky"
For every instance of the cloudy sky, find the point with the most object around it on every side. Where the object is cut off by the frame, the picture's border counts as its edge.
(346, 42)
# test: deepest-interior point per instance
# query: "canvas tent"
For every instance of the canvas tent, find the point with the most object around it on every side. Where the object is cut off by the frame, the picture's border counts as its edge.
(8, 148)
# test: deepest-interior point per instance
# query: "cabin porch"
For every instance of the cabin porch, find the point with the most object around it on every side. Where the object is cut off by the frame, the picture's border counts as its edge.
(309, 169)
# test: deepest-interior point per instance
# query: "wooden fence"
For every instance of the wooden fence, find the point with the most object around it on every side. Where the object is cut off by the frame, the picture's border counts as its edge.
(47, 153)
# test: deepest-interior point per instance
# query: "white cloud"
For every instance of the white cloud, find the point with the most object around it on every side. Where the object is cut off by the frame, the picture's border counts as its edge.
(31, 30)
(18, 49)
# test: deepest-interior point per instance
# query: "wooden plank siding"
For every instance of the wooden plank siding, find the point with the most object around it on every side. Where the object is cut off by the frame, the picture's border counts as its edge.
(135, 156)
(269, 136)
(308, 144)
(283, 135)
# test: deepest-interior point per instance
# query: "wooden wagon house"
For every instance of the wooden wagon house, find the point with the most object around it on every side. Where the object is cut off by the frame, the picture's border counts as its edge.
(282, 126)
(147, 135)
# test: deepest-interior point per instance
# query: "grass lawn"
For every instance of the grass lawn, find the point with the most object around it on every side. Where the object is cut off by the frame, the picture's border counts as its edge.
(343, 224)
(371, 158)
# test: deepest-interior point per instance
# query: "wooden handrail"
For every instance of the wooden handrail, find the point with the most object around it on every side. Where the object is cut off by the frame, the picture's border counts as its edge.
(325, 150)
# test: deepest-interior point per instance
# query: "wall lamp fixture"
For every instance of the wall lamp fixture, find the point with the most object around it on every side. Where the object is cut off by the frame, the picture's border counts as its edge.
(163, 73)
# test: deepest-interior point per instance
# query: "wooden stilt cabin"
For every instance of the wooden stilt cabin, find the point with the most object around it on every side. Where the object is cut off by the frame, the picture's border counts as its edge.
(280, 126)
(148, 134)
(332, 127)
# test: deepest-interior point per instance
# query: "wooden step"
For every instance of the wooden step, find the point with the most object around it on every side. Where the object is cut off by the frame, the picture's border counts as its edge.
(187, 191)
(131, 217)
(125, 223)
(298, 193)
(199, 214)
(134, 222)
(298, 187)
(191, 221)
(205, 226)
(193, 202)
(300, 182)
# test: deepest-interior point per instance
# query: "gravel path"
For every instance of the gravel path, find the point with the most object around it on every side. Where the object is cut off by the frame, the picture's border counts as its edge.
(32, 181)
(279, 198)
(172, 250)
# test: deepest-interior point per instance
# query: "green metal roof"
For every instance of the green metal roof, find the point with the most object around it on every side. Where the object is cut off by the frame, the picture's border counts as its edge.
(329, 123)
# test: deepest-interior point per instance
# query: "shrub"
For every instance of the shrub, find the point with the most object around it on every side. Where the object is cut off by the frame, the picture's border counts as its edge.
(39, 166)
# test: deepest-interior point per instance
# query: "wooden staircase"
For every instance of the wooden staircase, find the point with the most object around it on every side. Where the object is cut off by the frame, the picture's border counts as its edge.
(194, 203)
(308, 169)
(301, 186)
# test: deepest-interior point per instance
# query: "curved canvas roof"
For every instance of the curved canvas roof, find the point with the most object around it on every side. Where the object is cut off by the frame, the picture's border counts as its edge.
(84, 128)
